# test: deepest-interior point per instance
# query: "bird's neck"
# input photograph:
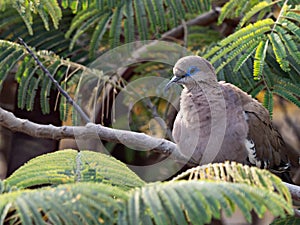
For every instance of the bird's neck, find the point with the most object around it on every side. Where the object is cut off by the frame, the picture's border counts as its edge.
(202, 86)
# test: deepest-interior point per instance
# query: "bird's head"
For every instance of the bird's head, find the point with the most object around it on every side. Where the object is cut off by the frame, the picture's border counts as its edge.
(191, 70)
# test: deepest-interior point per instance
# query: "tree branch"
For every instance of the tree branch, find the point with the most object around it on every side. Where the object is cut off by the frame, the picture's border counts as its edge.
(294, 190)
(202, 20)
(91, 130)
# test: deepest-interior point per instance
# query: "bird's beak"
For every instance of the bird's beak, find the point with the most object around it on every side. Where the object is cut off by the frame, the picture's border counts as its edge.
(173, 80)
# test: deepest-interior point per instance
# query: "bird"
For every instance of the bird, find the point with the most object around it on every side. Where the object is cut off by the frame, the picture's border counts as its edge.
(218, 121)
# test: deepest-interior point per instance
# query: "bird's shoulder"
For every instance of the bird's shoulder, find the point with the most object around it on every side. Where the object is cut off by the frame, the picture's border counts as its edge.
(248, 103)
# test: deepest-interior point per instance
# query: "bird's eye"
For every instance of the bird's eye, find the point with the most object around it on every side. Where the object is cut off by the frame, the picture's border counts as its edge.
(192, 70)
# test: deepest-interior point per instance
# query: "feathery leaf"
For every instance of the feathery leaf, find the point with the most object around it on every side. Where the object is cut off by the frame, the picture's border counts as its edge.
(268, 102)
(115, 29)
(258, 7)
(259, 59)
(58, 168)
(279, 50)
(140, 13)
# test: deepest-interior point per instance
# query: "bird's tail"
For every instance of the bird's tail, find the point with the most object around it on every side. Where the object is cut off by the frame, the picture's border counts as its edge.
(283, 171)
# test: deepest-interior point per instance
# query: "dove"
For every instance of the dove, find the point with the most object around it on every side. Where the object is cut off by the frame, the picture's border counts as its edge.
(218, 122)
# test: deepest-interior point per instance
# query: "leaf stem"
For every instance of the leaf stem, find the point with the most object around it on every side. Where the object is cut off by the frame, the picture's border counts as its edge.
(279, 16)
(60, 89)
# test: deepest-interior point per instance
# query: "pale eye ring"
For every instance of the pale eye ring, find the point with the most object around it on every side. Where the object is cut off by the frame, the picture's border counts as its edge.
(192, 70)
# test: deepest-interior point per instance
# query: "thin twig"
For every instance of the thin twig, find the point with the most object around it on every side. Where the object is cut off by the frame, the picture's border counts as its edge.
(60, 89)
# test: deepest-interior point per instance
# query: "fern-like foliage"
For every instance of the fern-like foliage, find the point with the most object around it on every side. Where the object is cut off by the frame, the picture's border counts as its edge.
(262, 43)
(69, 166)
(31, 78)
(76, 5)
(107, 17)
(81, 203)
(256, 36)
(208, 197)
(183, 202)
(52, 40)
(194, 202)
(118, 196)
(250, 9)
(290, 220)
(233, 9)
(146, 16)
(237, 173)
(43, 8)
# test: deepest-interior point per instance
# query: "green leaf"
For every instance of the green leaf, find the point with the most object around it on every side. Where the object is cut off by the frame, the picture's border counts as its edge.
(289, 220)
(225, 10)
(59, 168)
(240, 37)
(192, 197)
(175, 15)
(289, 43)
(160, 14)
(234, 52)
(294, 16)
(287, 95)
(251, 28)
(241, 61)
(129, 22)
(98, 34)
(287, 85)
(237, 173)
(31, 92)
(268, 101)
(279, 51)
(258, 7)
(259, 60)
(83, 28)
(292, 27)
(152, 16)
(115, 29)
(179, 8)
(254, 92)
(53, 9)
(8, 59)
(43, 8)
(141, 18)
(79, 20)
(81, 203)
(76, 5)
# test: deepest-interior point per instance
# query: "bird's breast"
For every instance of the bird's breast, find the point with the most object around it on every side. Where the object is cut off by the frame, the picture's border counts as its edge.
(213, 121)
(196, 108)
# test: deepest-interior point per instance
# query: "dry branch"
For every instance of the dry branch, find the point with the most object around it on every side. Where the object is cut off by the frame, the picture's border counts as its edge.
(91, 130)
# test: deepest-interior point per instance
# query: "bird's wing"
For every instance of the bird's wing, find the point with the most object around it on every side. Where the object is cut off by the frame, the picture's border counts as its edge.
(233, 146)
(265, 146)
(267, 141)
